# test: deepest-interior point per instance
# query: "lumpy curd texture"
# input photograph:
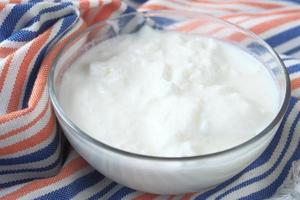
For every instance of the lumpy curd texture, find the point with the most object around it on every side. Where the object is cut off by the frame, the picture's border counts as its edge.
(169, 94)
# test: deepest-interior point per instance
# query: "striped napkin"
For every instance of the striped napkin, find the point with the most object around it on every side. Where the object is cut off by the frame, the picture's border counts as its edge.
(35, 160)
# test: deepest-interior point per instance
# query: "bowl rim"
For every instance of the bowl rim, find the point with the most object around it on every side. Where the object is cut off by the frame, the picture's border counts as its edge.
(83, 135)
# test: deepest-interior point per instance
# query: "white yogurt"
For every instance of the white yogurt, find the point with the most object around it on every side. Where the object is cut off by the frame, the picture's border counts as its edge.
(169, 94)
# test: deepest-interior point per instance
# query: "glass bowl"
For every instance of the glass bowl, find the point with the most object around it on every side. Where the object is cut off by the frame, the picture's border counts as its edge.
(168, 175)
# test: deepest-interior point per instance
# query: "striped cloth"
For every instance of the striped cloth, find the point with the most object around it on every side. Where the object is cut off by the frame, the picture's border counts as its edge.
(35, 160)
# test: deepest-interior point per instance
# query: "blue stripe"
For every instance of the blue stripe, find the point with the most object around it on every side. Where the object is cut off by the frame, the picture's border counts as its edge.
(263, 158)
(67, 23)
(100, 194)
(35, 1)
(121, 193)
(27, 35)
(139, 1)
(35, 156)
(75, 187)
(129, 10)
(13, 183)
(12, 19)
(271, 189)
(163, 21)
(293, 68)
(48, 11)
(293, 51)
(268, 172)
(40, 169)
(283, 36)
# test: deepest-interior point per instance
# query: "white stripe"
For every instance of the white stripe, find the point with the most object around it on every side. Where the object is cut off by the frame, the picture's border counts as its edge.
(258, 20)
(89, 192)
(55, 30)
(238, 6)
(132, 195)
(26, 175)
(32, 12)
(288, 45)
(175, 6)
(263, 168)
(112, 191)
(279, 29)
(295, 75)
(19, 122)
(94, 4)
(290, 62)
(23, 120)
(11, 78)
(296, 55)
(46, 17)
(296, 92)
(38, 164)
(11, 44)
(39, 126)
(12, 189)
(55, 186)
(4, 13)
(246, 24)
(257, 186)
(131, 3)
(33, 148)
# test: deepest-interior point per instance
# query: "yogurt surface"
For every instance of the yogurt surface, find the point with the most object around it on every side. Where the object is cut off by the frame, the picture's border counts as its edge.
(169, 94)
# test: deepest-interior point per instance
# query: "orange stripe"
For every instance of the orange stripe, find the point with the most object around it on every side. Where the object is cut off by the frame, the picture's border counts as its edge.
(254, 4)
(276, 22)
(154, 7)
(5, 51)
(31, 141)
(107, 10)
(27, 126)
(84, 4)
(40, 81)
(15, 1)
(262, 5)
(190, 26)
(146, 197)
(71, 168)
(202, 6)
(187, 196)
(295, 83)
(263, 14)
(21, 76)
(263, 27)
(5, 71)
(2, 6)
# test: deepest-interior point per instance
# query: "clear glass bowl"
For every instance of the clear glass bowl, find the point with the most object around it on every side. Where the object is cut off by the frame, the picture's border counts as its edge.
(169, 175)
